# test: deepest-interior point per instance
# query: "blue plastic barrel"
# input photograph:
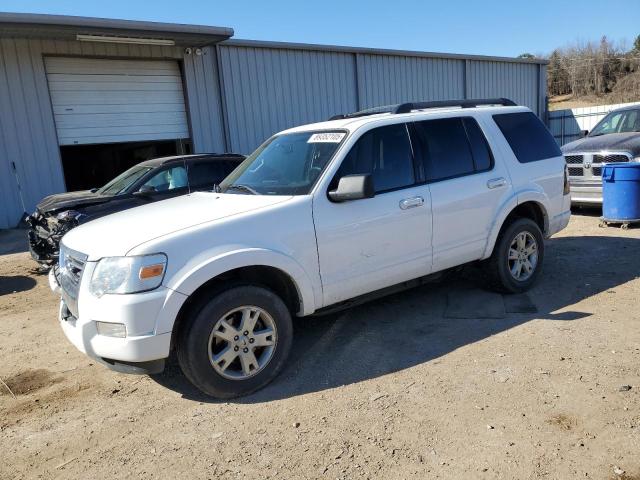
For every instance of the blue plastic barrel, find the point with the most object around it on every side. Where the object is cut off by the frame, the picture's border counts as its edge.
(621, 192)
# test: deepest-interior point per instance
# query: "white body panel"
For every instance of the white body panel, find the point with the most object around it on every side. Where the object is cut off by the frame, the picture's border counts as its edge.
(370, 244)
(330, 251)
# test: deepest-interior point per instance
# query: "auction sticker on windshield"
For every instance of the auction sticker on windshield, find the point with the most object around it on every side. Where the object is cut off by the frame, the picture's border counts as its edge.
(327, 137)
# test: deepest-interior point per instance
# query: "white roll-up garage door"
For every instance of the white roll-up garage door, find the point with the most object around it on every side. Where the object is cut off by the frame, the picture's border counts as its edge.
(107, 101)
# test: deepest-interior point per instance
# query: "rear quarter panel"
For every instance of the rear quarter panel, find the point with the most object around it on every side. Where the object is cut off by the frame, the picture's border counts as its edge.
(540, 181)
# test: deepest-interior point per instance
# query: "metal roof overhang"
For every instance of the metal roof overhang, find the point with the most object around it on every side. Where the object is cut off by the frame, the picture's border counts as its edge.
(63, 27)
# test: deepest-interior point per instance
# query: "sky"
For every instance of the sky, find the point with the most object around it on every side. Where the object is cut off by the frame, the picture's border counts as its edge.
(489, 27)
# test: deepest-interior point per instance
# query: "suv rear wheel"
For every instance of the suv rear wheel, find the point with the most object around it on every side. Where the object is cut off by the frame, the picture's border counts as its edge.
(517, 257)
(236, 342)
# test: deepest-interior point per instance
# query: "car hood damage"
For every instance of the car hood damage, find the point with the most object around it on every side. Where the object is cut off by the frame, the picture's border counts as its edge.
(119, 233)
(71, 200)
(616, 142)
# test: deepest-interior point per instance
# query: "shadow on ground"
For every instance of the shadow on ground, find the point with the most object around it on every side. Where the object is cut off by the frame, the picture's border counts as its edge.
(15, 284)
(411, 328)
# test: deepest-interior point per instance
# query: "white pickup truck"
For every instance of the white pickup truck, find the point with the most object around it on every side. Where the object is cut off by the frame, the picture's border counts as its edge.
(319, 217)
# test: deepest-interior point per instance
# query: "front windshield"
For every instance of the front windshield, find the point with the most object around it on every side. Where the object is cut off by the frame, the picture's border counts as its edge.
(123, 181)
(618, 122)
(286, 164)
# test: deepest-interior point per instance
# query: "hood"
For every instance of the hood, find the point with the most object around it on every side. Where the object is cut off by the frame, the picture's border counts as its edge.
(617, 142)
(118, 233)
(71, 200)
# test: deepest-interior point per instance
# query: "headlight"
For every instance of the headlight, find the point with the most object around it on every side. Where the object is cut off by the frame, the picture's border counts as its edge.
(68, 215)
(637, 159)
(128, 274)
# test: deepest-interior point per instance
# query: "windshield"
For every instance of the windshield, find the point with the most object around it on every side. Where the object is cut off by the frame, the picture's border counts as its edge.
(618, 122)
(286, 164)
(123, 181)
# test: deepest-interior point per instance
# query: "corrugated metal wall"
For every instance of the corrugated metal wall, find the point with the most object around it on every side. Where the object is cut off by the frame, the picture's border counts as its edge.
(27, 127)
(270, 89)
(390, 79)
(238, 94)
(517, 81)
(204, 101)
(267, 88)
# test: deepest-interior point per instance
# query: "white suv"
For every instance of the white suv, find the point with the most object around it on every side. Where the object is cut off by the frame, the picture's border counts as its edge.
(319, 217)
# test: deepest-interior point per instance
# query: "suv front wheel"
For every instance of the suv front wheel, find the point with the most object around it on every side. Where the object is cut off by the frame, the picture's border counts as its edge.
(236, 342)
(517, 257)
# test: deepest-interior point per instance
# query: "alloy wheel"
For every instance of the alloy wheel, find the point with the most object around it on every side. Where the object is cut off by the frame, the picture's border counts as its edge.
(523, 256)
(242, 342)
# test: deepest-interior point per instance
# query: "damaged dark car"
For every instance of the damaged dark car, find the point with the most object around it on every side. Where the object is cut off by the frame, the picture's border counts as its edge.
(149, 181)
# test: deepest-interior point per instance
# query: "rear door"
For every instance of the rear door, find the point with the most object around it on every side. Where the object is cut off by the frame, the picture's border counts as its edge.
(467, 187)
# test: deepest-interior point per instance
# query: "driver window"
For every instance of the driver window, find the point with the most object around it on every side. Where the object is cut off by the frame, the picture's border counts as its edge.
(168, 179)
(383, 152)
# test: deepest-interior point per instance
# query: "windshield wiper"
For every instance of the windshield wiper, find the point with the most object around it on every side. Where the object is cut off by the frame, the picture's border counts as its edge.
(244, 188)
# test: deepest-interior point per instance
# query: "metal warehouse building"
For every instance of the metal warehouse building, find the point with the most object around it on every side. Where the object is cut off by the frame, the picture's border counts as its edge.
(82, 99)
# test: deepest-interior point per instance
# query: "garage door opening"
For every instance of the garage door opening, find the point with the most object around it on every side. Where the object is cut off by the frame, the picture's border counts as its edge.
(112, 113)
(92, 166)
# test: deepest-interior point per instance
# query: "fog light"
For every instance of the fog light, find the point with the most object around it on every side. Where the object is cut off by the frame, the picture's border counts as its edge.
(109, 329)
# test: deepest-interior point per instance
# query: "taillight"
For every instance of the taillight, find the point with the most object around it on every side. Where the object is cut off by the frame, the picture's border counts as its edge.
(567, 188)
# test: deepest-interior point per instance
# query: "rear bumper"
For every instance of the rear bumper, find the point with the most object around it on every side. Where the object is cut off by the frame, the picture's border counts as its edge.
(586, 193)
(559, 222)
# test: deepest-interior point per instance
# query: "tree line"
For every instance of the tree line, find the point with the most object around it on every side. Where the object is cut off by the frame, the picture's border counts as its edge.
(595, 68)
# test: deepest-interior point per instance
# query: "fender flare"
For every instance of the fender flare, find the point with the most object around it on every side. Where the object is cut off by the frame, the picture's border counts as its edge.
(507, 207)
(188, 280)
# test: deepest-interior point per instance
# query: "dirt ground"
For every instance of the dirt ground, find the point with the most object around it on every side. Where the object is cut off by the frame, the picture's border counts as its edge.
(393, 389)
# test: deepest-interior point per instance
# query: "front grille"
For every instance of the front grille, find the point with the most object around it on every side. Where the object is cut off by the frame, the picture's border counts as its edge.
(69, 274)
(589, 165)
(610, 158)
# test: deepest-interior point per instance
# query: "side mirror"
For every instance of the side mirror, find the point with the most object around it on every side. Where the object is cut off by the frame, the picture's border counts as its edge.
(584, 132)
(146, 190)
(353, 187)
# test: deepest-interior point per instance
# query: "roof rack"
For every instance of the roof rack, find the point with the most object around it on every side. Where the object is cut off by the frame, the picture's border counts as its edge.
(410, 106)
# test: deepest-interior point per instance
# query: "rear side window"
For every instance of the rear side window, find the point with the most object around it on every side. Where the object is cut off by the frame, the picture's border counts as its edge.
(527, 136)
(443, 148)
(383, 152)
(479, 146)
(451, 147)
(206, 173)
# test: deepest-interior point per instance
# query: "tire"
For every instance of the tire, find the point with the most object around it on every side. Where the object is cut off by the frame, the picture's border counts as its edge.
(499, 267)
(214, 360)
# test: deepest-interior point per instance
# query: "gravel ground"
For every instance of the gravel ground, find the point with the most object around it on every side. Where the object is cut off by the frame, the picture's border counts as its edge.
(529, 387)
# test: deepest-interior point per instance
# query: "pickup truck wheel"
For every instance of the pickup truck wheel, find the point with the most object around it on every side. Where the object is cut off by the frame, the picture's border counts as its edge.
(236, 343)
(517, 257)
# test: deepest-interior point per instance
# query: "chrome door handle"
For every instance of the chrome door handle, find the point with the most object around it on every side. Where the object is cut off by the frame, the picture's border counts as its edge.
(411, 202)
(496, 182)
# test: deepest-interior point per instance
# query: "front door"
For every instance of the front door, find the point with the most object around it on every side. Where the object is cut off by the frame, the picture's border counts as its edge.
(365, 245)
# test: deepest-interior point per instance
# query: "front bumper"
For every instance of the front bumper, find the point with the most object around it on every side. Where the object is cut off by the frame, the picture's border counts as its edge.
(44, 236)
(586, 193)
(138, 352)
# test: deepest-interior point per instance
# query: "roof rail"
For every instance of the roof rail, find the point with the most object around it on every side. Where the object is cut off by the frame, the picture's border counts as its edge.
(364, 113)
(409, 106)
